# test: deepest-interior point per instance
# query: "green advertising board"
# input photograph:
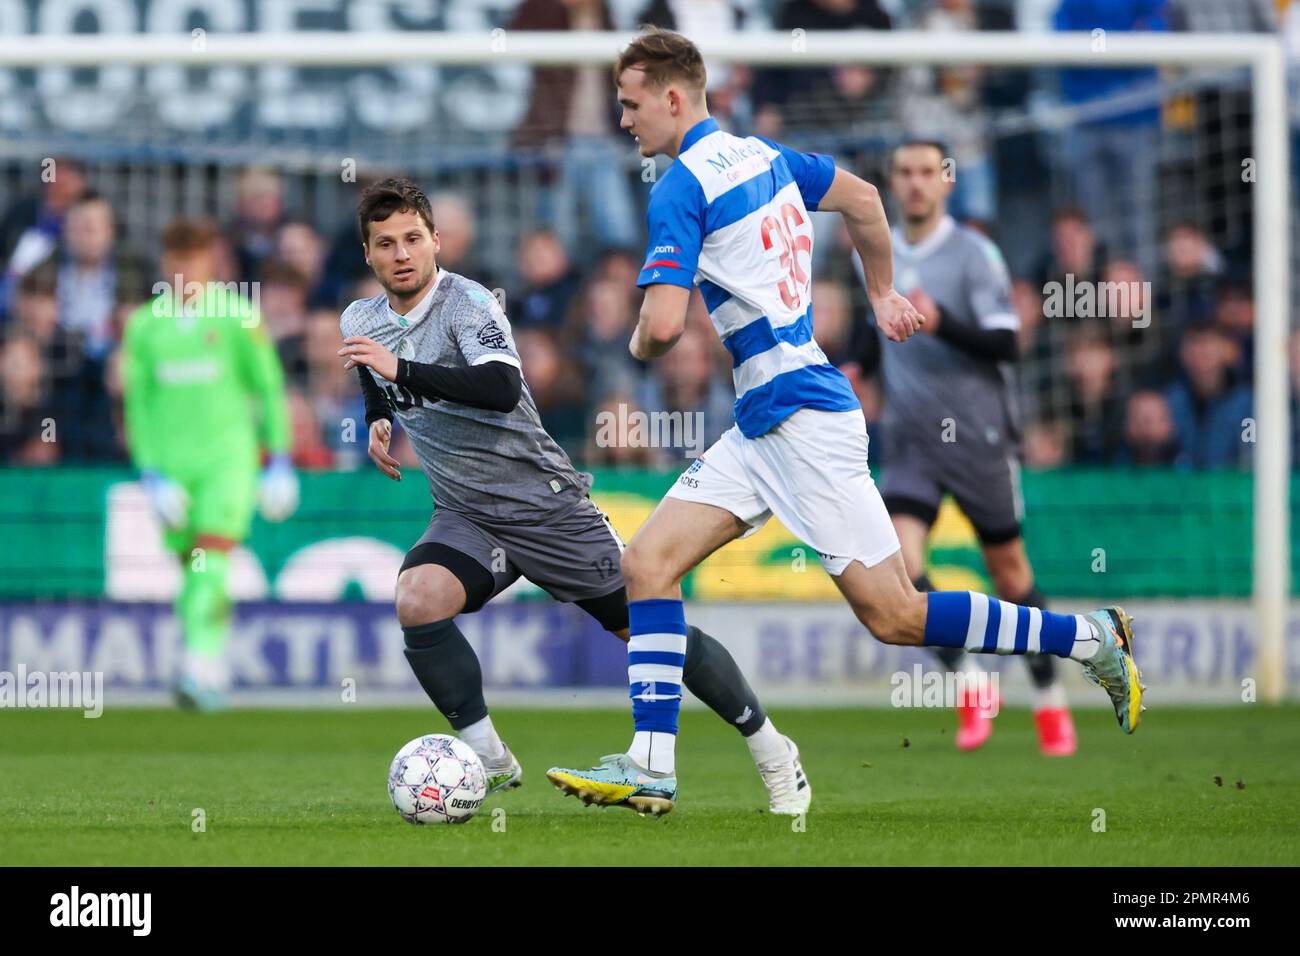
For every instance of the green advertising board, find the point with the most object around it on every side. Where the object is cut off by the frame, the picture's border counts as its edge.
(1089, 533)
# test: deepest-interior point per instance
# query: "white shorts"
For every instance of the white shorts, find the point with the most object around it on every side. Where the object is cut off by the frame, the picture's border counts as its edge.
(811, 472)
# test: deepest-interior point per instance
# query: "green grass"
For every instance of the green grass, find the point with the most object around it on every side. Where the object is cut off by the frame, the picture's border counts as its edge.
(295, 787)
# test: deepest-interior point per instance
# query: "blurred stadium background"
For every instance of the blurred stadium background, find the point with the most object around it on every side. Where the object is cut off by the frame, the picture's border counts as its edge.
(1137, 472)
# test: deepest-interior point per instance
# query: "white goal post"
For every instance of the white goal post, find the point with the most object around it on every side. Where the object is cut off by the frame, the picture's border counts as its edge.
(1263, 54)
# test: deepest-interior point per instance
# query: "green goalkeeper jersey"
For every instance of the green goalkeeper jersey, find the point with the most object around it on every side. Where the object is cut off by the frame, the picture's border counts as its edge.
(203, 386)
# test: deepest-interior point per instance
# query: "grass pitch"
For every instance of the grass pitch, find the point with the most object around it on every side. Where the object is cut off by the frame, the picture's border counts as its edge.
(308, 788)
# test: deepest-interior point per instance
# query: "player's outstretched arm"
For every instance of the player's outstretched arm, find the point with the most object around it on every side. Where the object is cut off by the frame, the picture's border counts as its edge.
(864, 214)
(662, 319)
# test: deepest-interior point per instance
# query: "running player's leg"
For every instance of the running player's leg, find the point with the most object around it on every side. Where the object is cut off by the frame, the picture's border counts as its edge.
(677, 536)
(912, 520)
(714, 677)
(710, 504)
(448, 572)
(1013, 578)
(219, 518)
(987, 488)
(912, 493)
(203, 608)
(577, 556)
(710, 672)
(885, 600)
(829, 500)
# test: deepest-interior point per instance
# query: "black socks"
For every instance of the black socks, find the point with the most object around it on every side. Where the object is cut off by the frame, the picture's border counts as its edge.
(448, 670)
(711, 674)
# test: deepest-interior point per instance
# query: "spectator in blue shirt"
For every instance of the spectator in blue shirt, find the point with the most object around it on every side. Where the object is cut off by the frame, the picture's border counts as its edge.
(1113, 155)
(1209, 407)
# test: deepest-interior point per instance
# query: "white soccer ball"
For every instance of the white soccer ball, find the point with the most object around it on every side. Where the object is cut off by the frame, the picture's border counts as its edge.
(437, 778)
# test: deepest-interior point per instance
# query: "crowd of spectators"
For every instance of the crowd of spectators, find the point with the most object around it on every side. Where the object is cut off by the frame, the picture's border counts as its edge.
(1167, 382)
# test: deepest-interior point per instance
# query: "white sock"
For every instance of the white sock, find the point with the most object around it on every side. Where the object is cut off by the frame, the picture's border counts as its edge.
(766, 744)
(655, 751)
(482, 736)
(210, 670)
(1086, 640)
(1051, 697)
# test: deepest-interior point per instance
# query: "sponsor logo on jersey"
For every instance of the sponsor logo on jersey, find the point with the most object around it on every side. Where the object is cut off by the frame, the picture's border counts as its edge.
(725, 159)
(661, 249)
(190, 371)
(491, 335)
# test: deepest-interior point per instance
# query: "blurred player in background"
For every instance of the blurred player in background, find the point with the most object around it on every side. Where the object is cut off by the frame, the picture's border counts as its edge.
(731, 215)
(438, 348)
(951, 419)
(204, 394)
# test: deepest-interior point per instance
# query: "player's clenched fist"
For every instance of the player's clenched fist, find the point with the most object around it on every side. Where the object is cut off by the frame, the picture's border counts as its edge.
(897, 317)
(363, 351)
(381, 433)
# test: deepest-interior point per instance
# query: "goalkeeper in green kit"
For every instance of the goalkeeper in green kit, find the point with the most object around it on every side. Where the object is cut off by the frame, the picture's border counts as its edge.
(204, 393)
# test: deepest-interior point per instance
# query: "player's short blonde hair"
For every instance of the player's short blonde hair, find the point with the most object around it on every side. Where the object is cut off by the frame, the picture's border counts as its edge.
(665, 58)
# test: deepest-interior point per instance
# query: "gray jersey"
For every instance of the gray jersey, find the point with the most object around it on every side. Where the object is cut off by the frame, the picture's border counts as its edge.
(499, 466)
(927, 380)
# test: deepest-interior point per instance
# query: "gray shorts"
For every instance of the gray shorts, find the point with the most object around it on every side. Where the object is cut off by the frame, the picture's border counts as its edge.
(573, 557)
(983, 478)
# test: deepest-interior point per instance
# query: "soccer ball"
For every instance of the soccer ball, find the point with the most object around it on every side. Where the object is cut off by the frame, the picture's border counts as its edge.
(437, 778)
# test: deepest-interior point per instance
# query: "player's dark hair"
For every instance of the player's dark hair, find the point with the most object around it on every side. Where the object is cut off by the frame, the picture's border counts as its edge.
(1070, 212)
(664, 57)
(189, 235)
(938, 144)
(380, 200)
(89, 196)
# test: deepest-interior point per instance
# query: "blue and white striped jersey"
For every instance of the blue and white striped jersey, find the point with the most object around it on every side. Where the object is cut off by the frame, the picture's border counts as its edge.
(731, 216)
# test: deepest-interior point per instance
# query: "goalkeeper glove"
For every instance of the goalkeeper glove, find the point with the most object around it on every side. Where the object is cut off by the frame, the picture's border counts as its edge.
(169, 500)
(278, 490)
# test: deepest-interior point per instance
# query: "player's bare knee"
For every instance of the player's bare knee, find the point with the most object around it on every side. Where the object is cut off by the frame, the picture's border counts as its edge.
(428, 593)
(644, 574)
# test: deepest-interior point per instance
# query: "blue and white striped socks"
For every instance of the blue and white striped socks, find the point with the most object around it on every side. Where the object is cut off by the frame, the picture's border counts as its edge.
(656, 654)
(982, 624)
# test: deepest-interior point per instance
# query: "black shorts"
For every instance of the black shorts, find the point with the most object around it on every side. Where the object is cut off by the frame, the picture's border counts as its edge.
(574, 557)
(983, 477)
